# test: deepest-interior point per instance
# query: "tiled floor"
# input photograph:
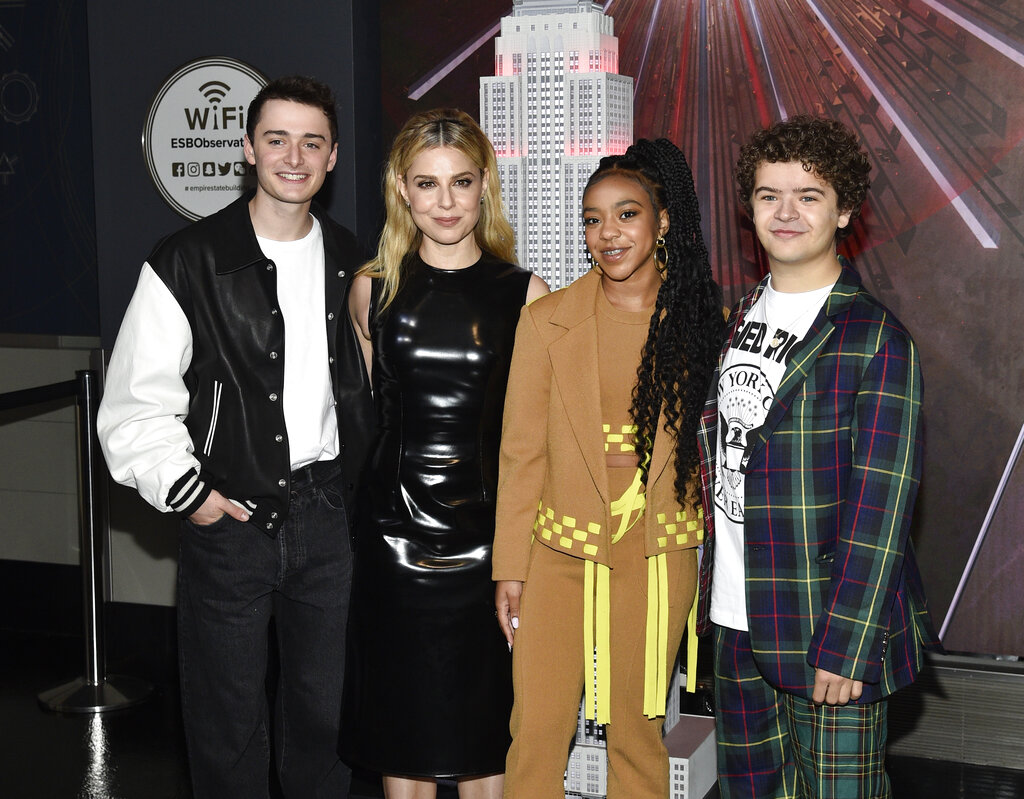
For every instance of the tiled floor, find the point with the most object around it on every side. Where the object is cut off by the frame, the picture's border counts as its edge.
(138, 753)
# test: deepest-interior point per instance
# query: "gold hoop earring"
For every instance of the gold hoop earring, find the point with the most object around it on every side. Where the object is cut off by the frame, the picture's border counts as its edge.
(594, 265)
(660, 255)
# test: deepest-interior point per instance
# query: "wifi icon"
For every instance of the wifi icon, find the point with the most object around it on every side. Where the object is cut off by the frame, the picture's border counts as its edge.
(214, 91)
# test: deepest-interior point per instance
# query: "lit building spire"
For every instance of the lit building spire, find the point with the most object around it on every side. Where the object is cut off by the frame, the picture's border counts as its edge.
(525, 7)
(555, 106)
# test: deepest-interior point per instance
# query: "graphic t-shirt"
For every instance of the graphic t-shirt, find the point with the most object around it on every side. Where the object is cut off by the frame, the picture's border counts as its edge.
(751, 372)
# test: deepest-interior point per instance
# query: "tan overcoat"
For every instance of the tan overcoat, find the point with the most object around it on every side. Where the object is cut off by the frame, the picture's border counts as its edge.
(553, 482)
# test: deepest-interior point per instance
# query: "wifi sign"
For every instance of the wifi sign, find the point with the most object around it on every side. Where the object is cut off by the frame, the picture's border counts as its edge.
(222, 117)
(193, 136)
(214, 91)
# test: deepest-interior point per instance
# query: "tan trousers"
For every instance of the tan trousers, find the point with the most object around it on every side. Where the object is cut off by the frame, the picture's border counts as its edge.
(548, 672)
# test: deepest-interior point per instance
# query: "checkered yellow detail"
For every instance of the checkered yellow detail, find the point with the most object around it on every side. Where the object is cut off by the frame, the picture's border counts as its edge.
(621, 441)
(681, 529)
(565, 530)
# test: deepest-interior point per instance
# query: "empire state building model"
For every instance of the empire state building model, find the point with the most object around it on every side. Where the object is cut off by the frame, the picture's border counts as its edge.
(554, 107)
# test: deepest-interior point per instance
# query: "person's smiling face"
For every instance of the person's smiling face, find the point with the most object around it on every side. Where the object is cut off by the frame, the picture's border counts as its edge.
(621, 227)
(796, 216)
(291, 150)
(443, 188)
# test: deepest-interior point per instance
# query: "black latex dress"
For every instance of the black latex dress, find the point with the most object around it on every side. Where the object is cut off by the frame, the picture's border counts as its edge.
(428, 681)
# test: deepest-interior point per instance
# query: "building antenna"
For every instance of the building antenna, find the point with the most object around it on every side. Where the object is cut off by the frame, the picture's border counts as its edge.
(996, 499)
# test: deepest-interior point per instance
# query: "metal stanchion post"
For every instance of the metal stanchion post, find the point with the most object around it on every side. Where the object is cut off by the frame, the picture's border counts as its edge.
(95, 692)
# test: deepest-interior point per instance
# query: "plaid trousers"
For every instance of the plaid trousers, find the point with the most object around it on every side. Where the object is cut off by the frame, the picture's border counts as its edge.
(774, 745)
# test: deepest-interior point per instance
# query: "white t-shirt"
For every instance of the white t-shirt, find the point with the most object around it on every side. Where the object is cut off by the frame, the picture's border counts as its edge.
(308, 400)
(751, 373)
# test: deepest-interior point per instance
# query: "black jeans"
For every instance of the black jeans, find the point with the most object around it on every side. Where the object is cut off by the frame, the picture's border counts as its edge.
(232, 579)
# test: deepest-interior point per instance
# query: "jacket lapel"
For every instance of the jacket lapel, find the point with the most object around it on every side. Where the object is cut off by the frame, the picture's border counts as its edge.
(664, 447)
(235, 246)
(803, 357)
(574, 364)
(334, 288)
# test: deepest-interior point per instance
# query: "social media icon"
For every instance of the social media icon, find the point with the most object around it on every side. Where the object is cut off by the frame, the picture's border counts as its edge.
(178, 169)
(209, 169)
(193, 169)
(240, 168)
(223, 169)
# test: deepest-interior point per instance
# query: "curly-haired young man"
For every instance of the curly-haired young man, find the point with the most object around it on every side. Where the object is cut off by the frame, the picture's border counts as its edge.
(811, 459)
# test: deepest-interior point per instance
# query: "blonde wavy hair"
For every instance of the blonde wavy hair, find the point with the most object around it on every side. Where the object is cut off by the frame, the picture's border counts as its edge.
(441, 127)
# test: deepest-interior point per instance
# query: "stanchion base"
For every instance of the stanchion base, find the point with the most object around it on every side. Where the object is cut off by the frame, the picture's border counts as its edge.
(78, 696)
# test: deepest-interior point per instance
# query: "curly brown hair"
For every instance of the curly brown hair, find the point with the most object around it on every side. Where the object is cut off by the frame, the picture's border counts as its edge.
(824, 146)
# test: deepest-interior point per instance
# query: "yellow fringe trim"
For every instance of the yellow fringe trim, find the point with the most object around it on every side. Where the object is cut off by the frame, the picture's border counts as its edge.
(590, 686)
(604, 645)
(691, 644)
(596, 624)
(656, 649)
(596, 620)
(597, 640)
(633, 500)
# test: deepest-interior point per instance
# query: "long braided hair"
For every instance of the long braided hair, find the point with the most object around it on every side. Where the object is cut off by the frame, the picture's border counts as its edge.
(687, 327)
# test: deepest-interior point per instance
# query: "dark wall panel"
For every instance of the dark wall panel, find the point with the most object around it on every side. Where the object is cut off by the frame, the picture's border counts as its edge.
(135, 46)
(47, 225)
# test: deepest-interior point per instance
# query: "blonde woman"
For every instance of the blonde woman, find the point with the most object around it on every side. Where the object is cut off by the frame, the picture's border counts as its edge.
(428, 691)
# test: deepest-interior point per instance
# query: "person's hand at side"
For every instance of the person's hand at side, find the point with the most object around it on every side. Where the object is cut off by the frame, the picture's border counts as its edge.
(506, 602)
(215, 506)
(834, 689)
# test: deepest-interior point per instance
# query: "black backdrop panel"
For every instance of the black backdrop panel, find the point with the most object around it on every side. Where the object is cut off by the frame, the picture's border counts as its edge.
(48, 254)
(135, 46)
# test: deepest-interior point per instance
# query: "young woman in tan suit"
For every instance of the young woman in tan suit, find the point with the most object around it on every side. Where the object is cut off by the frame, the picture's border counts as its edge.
(598, 513)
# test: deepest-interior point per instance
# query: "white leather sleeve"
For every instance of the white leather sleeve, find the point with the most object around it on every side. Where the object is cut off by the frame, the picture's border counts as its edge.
(140, 424)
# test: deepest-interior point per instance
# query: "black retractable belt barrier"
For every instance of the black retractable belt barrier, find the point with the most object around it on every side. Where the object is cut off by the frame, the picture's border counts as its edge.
(94, 692)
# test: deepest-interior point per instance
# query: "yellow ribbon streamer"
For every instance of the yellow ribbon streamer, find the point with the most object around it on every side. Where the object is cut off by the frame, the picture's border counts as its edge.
(691, 644)
(590, 686)
(630, 508)
(656, 642)
(597, 641)
(633, 500)
(604, 645)
(651, 640)
(662, 664)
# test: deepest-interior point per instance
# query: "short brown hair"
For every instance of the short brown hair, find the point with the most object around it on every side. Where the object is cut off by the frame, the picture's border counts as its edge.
(298, 89)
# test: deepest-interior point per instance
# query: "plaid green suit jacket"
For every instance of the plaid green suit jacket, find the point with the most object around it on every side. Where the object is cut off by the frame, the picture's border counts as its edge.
(830, 481)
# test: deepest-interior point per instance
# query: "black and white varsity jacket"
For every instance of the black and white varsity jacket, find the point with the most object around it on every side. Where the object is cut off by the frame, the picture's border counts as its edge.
(192, 400)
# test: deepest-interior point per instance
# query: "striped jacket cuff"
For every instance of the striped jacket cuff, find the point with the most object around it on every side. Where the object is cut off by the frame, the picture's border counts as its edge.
(187, 494)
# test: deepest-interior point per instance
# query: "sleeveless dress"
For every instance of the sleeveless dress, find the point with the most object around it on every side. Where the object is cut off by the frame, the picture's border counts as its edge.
(428, 688)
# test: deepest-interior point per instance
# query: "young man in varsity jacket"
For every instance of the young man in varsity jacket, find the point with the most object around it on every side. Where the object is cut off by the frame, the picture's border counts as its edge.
(237, 398)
